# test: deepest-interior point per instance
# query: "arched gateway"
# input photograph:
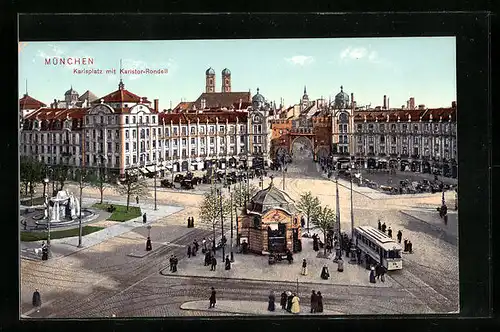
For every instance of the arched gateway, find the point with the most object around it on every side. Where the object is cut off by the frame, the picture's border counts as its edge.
(302, 148)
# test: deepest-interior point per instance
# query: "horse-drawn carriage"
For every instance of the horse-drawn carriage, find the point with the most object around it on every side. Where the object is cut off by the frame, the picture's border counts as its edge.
(167, 184)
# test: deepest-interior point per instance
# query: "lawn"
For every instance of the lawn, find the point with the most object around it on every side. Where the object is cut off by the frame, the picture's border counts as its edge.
(39, 236)
(120, 213)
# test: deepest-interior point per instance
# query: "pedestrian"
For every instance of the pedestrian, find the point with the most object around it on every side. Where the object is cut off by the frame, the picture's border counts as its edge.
(320, 302)
(176, 261)
(283, 300)
(295, 304)
(37, 300)
(379, 225)
(289, 256)
(149, 247)
(227, 263)
(315, 243)
(340, 265)
(171, 263)
(399, 236)
(382, 274)
(304, 267)
(212, 299)
(137, 199)
(410, 247)
(358, 255)
(314, 302)
(378, 271)
(383, 227)
(196, 245)
(204, 245)
(289, 301)
(372, 275)
(189, 251)
(214, 264)
(270, 305)
(208, 258)
(189, 222)
(325, 274)
(45, 252)
(389, 232)
(144, 218)
(192, 221)
(405, 247)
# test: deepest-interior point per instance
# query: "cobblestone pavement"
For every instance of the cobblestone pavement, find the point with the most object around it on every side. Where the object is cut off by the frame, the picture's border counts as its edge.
(103, 280)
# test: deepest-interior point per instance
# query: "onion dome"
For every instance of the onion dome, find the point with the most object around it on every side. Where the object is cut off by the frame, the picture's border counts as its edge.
(70, 92)
(210, 71)
(226, 72)
(342, 99)
(258, 98)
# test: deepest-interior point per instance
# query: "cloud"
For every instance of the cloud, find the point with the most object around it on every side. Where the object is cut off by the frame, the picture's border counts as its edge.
(300, 60)
(353, 53)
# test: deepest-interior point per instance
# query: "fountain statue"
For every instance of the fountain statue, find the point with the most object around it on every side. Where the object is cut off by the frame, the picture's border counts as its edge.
(62, 207)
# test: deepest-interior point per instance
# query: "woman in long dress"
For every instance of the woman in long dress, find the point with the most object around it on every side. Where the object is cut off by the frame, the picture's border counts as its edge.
(270, 306)
(319, 298)
(324, 273)
(295, 304)
(372, 275)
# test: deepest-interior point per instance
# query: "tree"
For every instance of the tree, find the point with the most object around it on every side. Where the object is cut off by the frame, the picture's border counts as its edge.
(243, 194)
(99, 181)
(133, 186)
(83, 177)
(324, 219)
(31, 172)
(61, 173)
(210, 209)
(309, 205)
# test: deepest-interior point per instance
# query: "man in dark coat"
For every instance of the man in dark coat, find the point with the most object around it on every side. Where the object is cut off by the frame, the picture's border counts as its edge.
(283, 300)
(314, 302)
(400, 236)
(379, 225)
(149, 247)
(212, 299)
(208, 258)
(144, 218)
(189, 222)
(410, 247)
(289, 301)
(175, 261)
(289, 257)
(37, 300)
(383, 227)
(405, 247)
(214, 264)
(325, 274)
(228, 263)
(319, 298)
(137, 199)
(389, 232)
(171, 260)
(196, 245)
(270, 305)
(189, 251)
(192, 222)
(315, 242)
(45, 252)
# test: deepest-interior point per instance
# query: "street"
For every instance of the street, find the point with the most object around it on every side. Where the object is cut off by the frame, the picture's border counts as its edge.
(103, 280)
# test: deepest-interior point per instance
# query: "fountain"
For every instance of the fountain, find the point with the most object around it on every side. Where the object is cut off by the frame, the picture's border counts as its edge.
(62, 210)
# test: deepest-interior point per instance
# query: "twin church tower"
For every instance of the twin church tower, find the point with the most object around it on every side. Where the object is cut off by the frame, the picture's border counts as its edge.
(210, 80)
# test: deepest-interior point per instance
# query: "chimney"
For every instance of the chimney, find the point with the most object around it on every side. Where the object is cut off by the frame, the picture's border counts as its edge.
(388, 105)
(156, 105)
(412, 103)
(407, 104)
(385, 102)
(454, 104)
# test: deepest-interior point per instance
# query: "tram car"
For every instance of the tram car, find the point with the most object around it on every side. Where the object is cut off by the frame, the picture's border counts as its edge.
(380, 247)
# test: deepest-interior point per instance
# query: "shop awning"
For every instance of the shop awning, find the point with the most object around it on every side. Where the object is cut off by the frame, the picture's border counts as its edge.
(150, 169)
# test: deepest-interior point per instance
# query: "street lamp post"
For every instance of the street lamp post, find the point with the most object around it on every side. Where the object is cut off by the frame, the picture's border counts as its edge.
(46, 181)
(219, 191)
(231, 208)
(160, 160)
(352, 209)
(80, 213)
(338, 249)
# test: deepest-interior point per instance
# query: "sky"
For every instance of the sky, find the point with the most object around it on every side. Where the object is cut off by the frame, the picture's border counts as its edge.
(423, 68)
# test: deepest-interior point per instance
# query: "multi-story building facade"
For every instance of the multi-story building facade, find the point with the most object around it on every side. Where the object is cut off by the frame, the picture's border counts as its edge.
(407, 138)
(122, 133)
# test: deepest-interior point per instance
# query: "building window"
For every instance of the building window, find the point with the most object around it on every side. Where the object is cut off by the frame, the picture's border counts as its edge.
(134, 133)
(126, 147)
(147, 119)
(154, 119)
(212, 140)
(393, 139)
(359, 128)
(193, 141)
(183, 142)
(382, 139)
(117, 160)
(193, 130)
(184, 131)
(415, 128)
(393, 127)
(415, 140)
